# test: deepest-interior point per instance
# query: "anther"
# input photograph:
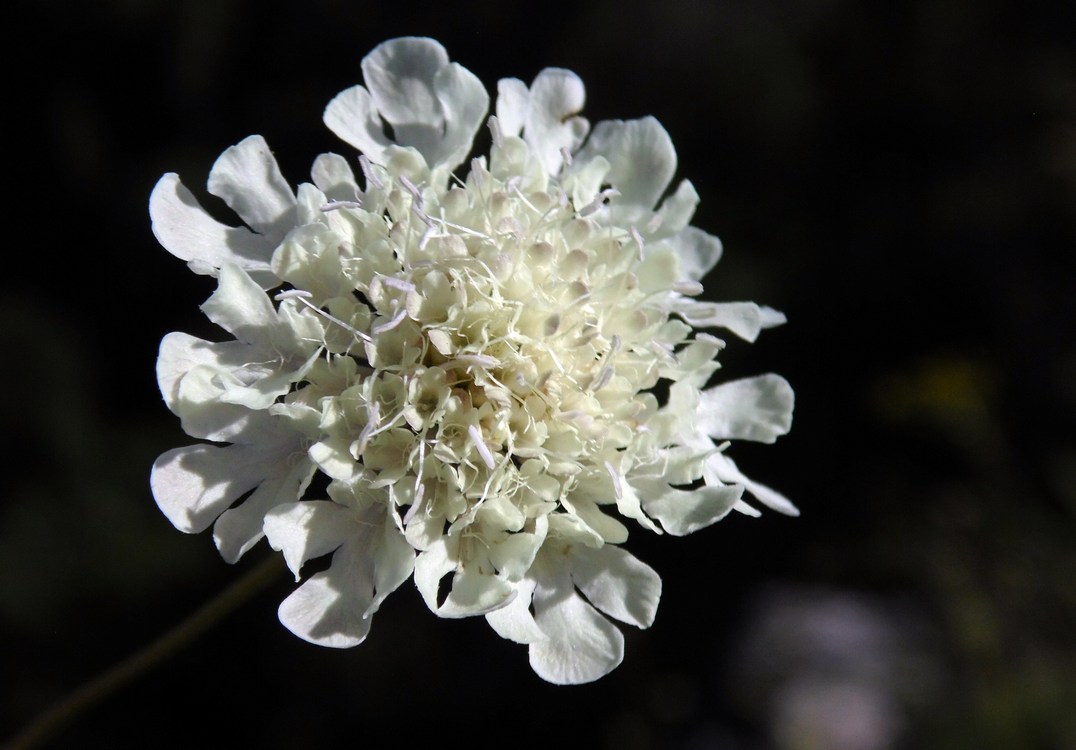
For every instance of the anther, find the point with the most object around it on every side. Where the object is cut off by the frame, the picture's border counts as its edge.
(480, 445)
(336, 205)
(372, 178)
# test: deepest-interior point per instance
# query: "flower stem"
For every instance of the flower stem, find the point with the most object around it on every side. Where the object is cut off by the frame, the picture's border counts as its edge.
(85, 697)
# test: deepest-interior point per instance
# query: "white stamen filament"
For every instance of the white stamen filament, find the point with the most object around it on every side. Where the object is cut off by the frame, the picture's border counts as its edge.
(303, 296)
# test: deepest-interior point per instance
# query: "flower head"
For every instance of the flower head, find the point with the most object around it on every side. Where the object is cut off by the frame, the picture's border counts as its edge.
(473, 359)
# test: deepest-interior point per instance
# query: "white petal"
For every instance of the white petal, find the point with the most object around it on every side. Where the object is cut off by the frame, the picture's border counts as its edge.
(513, 556)
(608, 528)
(240, 306)
(580, 645)
(351, 115)
(431, 566)
(698, 252)
(181, 352)
(641, 157)
(552, 123)
(328, 608)
(745, 319)
(240, 528)
(395, 563)
(195, 484)
(514, 620)
(512, 96)
(724, 469)
(464, 102)
(184, 228)
(676, 210)
(247, 177)
(757, 409)
(202, 414)
(682, 512)
(334, 177)
(473, 592)
(399, 74)
(617, 583)
(432, 105)
(309, 529)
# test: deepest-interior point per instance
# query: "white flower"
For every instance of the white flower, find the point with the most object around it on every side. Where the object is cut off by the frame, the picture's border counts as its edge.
(472, 360)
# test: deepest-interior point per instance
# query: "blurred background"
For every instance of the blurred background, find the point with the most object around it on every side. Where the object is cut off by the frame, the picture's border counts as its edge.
(898, 178)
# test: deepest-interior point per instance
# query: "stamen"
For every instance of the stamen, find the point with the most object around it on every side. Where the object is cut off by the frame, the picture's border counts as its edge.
(480, 445)
(303, 296)
(410, 187)
(431, 231)
(472, 360)
(598, 202)
(709, 338)
(372, 178)
(336, 205)
(688, 287)
(402, 284)
(388, 326)
(292, 293)
(604, 376)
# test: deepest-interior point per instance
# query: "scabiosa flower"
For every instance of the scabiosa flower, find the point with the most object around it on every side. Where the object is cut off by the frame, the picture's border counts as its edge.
(473, 358)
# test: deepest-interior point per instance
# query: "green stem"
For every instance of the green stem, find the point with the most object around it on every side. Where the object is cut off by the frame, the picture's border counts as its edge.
(134, 666)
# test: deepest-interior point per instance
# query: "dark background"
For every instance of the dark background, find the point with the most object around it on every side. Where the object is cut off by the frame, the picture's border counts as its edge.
(899, 178)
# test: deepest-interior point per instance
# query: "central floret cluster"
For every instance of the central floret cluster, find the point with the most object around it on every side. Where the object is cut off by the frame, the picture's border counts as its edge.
(471, 362)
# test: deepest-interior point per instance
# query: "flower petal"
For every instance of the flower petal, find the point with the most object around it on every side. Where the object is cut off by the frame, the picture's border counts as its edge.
(400, 74)
(552, 123)
(641, 158)
(308, 529)
(512, 97)
(247, 177)
(473, 592)
(352, 116)
(514, 620)
(328, 608)
(721, 467)
(464, 102)
(180, 352)
(201, 412)
(745, 319)
(195, 484)
(184, 228)
(240, 528)
(433, 106)
(580, 645)
(617, 583)
(334, 177)
(682, 512)
(240, 306)
(758, 409)
(698, 251)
